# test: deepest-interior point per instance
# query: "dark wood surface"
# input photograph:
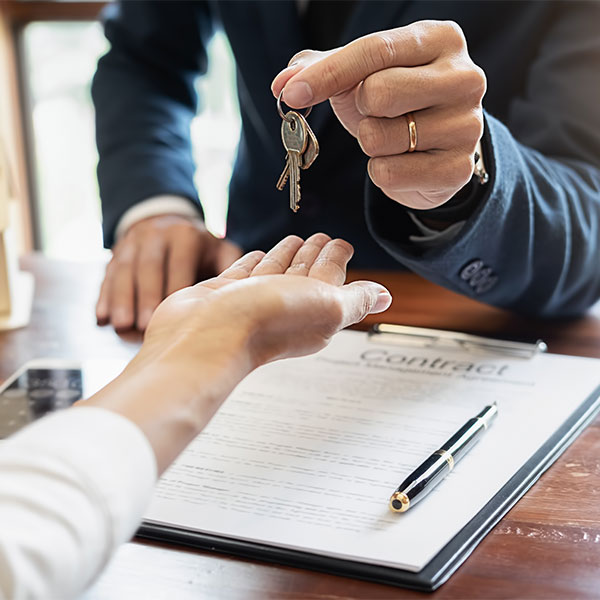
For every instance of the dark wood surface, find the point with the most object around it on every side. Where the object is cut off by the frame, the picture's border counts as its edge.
(49, 10)
(547, 546)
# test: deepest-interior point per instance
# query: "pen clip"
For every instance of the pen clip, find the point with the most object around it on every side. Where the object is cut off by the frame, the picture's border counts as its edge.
(435, 338)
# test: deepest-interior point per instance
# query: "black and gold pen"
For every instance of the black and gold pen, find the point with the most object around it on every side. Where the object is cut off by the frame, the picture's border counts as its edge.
(435, 468)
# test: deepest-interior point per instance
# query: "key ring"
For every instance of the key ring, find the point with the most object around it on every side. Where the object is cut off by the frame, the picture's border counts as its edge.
(280, 111)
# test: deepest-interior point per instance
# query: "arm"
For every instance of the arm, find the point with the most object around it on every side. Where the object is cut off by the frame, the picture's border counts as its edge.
(544, 190)
(145, 98)
(530, 240)
(74, 486)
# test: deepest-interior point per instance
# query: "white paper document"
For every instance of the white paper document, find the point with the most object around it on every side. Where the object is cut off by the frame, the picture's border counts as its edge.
(306, 452)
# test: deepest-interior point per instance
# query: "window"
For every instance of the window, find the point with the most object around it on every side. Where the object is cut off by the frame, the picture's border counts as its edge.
(59, 62)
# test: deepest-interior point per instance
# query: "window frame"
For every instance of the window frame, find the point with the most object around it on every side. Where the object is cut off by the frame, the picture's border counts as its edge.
(15, 15)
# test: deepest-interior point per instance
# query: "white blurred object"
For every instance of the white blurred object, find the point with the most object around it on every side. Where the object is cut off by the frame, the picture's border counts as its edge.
(16, 287)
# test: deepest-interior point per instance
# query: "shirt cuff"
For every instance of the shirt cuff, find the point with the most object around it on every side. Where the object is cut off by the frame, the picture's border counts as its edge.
(153, 207)
(430, 238)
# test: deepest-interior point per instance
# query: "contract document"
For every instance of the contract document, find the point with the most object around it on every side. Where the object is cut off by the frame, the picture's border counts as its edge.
(299, 463)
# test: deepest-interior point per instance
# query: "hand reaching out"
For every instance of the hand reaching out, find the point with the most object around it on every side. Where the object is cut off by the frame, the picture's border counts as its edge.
(203, 340)
(288, 302)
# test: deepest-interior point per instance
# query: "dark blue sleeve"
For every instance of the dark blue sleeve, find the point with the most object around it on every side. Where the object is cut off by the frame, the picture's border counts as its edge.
(533, 244)
(145, 98)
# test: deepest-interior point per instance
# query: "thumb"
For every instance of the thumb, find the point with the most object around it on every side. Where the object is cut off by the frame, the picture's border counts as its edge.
(299, 62)
(361, 298)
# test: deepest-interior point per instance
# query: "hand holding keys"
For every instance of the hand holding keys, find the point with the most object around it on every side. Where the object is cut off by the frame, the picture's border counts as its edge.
(302, 149)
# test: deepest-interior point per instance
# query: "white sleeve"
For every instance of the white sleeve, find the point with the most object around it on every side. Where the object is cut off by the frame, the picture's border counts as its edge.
(153, 207)
(73, 486)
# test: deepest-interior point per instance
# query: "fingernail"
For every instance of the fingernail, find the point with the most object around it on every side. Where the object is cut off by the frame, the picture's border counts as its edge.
(384, 300)
(298, 94)
(370, 169)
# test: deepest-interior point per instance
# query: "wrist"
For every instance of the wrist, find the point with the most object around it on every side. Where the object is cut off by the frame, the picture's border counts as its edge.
(198, 371)
(172, 394)
(464, 203)
(165, 204)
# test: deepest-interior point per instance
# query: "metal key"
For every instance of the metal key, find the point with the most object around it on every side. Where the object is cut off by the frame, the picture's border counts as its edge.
(308, 157)
(284, 175)
(295, 138)
(312, 147)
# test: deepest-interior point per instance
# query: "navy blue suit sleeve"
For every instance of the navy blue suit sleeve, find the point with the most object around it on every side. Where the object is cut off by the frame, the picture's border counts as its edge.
(533, 243)
(145, 98)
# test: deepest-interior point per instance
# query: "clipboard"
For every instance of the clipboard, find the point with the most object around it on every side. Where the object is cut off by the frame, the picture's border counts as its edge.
(440, 568)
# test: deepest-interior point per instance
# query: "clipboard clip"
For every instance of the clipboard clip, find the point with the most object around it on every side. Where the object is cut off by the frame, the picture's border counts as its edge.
(439, 338)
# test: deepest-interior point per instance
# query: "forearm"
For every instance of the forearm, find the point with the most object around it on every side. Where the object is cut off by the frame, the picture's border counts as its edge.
(157, 393)
(74, 486)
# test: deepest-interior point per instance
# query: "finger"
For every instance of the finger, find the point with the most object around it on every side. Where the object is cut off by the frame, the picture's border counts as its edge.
(298, 62)
(361, 298)
(330, 264)
(434, 172)
(122, 300)
(278, 259)
(439, 84)
(416, 44)
(185, 251)
(307, 254)
(242, 268)
(150, 279)
(437, 129)
(103, 303)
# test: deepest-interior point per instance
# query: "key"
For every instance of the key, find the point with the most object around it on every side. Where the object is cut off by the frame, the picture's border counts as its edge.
(294, 136)
(284, 175)
(308, 156)
(312, 147)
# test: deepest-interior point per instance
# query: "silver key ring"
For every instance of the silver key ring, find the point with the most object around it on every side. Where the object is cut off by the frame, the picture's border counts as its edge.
(280, 111)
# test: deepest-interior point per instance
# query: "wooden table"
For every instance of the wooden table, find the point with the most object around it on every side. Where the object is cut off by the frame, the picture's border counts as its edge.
(547, 546)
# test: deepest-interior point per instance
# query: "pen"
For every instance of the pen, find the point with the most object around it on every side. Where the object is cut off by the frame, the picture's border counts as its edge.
(429, 473)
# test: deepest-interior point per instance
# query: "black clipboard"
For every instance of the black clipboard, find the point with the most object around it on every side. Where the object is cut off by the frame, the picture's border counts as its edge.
(457, 550)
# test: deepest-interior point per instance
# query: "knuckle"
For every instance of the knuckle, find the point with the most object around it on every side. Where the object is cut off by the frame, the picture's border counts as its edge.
(124, 258)
(462, 170)
(185, 235)
(474, 126)
(367, 302)
(475, 81)
(375, 95)
(383, 50)
(273, 262)
(369, 136)
(299, 267)
(454, 38)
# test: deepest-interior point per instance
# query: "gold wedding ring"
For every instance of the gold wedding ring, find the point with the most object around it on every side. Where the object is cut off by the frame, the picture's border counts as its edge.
(412, 132)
